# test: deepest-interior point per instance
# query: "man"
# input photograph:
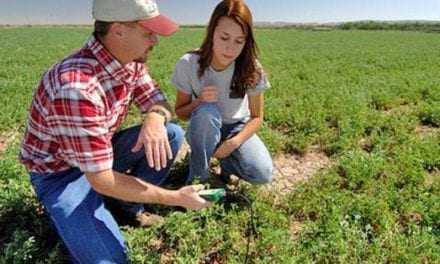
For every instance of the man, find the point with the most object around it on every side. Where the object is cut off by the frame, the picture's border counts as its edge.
(71, 148)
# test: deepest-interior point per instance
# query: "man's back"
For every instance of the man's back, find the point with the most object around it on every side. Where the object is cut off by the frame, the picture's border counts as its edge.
(79, 104)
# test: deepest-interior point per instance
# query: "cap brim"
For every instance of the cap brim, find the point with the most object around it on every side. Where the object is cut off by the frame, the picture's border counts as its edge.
(160, 25)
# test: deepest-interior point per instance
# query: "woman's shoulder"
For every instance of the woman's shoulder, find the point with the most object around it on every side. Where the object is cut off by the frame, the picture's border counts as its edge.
(190, 58)
(189, 63)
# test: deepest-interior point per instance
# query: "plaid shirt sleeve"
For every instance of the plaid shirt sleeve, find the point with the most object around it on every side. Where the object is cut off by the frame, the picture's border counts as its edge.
(147, 91)
(78, 121)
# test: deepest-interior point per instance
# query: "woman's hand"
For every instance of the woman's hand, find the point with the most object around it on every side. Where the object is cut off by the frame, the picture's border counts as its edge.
(209, 94)
(226, 148)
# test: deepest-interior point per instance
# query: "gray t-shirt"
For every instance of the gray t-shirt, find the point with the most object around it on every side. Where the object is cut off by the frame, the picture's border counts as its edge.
(185, 78)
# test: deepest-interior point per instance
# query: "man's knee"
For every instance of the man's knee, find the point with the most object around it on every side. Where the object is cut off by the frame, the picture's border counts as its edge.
(175, 133)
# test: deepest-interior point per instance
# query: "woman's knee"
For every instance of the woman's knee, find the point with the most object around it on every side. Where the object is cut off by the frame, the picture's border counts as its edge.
(205, 125)
(206, 114)
(261, 173)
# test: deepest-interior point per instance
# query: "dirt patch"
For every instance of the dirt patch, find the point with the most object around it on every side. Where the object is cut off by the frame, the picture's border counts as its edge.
(292, 169)
(397, 109)
(288, 169)
(426, 131)
(168, 256)
(430, 177)
(295, 229)
(7, 138)
(366, 144)
(184, 149)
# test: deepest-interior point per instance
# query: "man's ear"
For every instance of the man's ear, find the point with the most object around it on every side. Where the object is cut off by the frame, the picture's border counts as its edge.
(117, 29)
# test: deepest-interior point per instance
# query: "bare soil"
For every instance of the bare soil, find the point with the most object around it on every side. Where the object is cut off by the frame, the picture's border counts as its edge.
(427, 131)
(288, 169)
(292, 169)
(6, 138)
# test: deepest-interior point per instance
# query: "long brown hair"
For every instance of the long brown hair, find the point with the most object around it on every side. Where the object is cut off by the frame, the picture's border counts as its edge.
(246, 73)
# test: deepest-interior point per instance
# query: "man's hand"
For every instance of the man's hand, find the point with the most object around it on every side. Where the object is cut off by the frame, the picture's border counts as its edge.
(154, 138)
(189, 197)
(208, 94)
(226, 148)
(132, 189)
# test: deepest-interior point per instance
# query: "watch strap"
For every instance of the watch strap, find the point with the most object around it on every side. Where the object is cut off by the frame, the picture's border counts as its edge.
(160, 112)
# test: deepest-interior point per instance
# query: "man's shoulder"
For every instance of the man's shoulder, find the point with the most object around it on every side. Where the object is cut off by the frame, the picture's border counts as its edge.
(76, 70)
(81, 62)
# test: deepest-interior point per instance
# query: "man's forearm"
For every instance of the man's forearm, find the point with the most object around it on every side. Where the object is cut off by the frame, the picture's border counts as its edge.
(131, 189)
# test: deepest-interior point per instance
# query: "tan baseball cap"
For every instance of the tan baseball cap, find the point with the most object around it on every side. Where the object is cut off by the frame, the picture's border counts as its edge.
(145, 12)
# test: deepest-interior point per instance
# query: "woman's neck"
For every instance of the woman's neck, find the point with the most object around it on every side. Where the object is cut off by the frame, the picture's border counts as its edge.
(217, 67)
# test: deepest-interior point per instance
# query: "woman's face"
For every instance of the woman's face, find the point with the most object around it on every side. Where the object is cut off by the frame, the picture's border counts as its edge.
(228, 42)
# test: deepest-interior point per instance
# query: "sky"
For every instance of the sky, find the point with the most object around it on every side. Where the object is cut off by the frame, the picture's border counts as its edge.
(198, 11)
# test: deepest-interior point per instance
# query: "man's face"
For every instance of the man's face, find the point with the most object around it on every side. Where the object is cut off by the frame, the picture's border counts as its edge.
(138, 41)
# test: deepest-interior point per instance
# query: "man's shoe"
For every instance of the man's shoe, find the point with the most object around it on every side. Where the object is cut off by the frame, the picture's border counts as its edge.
(146, 219)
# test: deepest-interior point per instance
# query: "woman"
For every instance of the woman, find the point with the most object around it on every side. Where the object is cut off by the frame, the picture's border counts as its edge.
(220, 90)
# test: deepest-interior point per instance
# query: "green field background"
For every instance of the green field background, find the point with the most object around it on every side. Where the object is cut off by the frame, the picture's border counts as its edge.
(361, 97)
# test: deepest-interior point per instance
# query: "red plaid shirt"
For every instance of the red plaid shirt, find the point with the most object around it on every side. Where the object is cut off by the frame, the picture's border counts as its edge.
(77, 108)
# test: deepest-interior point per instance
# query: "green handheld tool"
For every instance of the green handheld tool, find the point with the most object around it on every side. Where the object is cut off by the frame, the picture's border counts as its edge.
(213, 195)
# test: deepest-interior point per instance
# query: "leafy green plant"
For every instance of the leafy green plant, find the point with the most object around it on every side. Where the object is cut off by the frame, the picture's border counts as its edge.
(359, 96)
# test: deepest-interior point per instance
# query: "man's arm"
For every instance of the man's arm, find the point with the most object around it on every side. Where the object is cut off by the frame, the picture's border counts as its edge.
(154, 137)
(161, 108)
(132, 189)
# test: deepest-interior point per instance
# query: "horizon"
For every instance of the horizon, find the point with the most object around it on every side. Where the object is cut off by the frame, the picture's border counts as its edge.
(256, 23)
(186, 12)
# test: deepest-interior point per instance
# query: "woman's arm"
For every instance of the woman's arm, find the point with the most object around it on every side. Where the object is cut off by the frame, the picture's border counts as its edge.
(256, 107)
(185, 105)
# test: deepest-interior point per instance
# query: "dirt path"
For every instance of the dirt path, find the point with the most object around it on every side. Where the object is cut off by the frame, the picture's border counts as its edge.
(426, 131)
(7, 138)
(292, 169)
(288, 169)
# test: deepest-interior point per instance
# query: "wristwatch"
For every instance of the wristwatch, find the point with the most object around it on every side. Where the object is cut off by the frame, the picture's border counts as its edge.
(160, 112)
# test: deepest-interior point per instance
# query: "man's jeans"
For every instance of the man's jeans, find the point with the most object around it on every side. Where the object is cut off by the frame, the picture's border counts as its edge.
(251, 161)
(87, 228)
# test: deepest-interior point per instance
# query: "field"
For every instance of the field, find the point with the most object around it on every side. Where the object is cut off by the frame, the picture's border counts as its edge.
(367, 100)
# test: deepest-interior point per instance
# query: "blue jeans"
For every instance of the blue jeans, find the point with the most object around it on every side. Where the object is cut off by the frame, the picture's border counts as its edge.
(87, 228)
(251, 161)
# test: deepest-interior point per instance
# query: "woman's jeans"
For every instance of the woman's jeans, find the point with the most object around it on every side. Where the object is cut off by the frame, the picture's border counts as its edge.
(251, 161)
(87, 228)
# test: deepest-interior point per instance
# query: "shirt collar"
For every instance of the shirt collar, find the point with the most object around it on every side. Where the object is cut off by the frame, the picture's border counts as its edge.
(111, 65)
(231, 67)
